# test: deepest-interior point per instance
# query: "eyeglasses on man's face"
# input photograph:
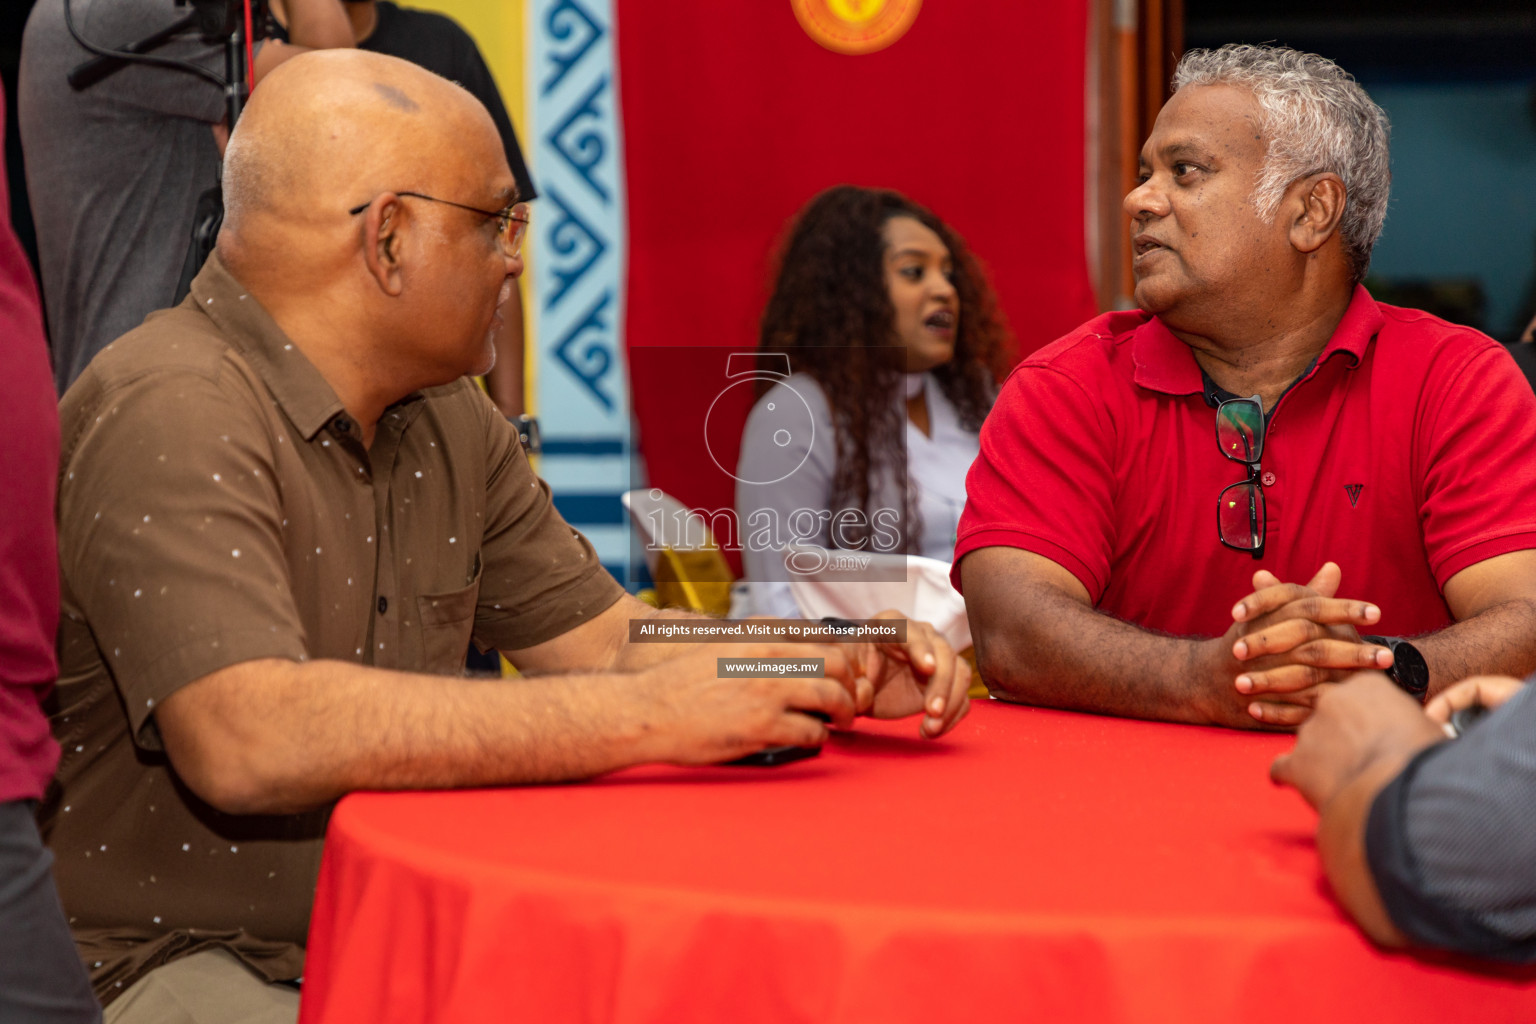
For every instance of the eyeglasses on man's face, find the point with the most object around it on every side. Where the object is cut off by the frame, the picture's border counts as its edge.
(512, 220)
(1241, 521)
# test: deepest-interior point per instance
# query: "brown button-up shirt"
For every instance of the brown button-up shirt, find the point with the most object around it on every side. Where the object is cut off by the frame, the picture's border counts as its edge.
(217, 505)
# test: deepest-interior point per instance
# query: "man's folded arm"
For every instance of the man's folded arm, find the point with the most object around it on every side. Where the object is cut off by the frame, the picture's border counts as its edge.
(274, 736)
(278, 736)
(1494, 602)
(1038, 637)
(1474, 439)
(1040, 641)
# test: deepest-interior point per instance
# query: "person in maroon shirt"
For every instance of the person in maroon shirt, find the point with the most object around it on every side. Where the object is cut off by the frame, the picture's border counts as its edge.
(1349, 448)
(41, 978)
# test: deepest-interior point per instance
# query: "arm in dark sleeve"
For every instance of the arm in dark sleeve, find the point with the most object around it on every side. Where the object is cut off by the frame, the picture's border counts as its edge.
(158, 90)
(1451, 842)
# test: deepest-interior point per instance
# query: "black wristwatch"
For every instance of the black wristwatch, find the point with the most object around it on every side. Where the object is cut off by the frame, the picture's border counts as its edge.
(1409, 669)
(528, 433)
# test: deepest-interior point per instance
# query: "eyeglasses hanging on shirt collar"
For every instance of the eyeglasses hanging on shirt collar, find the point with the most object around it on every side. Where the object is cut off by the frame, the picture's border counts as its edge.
(1241, 521)
(513, 219)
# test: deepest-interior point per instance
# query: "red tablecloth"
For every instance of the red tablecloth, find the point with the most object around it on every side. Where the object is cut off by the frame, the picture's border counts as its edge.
(1036, 865)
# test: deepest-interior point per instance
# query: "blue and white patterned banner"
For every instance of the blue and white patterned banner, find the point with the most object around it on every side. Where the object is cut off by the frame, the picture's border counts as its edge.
(578, 266)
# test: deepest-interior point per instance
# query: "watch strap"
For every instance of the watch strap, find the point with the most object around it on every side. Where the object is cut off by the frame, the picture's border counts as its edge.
(1409, 669)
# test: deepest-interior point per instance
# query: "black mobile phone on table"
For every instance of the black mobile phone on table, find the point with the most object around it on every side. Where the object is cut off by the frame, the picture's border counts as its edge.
(772, 757)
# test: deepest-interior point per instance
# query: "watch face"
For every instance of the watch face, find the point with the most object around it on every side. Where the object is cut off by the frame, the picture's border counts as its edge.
(1409, 669)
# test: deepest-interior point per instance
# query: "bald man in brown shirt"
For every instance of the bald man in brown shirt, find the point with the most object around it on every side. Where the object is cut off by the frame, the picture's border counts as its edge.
(284, 514)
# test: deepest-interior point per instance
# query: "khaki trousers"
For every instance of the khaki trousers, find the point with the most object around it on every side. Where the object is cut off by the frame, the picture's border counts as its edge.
(211, 987)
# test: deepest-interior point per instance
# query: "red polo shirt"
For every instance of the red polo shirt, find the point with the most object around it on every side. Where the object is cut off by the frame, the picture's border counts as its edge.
(29, 555)
(1406, 454)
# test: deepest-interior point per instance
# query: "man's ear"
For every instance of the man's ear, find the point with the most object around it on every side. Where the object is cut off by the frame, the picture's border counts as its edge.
(1319, 206)
(384, 243)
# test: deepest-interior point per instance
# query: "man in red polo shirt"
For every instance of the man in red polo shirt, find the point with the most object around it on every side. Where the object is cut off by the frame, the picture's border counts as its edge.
(1147, 482)
(41, 977)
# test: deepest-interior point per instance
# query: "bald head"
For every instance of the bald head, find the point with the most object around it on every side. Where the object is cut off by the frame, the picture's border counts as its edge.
(330, 129)
(356, 188)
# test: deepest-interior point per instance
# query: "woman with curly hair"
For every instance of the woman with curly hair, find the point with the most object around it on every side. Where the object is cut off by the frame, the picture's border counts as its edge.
(896, 348)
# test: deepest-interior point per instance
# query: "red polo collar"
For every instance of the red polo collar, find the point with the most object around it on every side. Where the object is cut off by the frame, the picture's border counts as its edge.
(1166, 364)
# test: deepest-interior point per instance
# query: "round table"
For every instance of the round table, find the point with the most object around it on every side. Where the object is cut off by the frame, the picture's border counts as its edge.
(1036, 864)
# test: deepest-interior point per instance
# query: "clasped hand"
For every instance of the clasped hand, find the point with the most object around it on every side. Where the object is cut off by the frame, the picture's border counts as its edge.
(923, 674)
(1286, 641)
(716, 719)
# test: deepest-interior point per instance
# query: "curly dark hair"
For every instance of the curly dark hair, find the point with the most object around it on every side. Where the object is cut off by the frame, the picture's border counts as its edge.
(831, 313)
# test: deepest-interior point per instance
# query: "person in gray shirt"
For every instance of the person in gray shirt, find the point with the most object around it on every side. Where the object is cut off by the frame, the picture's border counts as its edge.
(115, 170)
(1428, 838)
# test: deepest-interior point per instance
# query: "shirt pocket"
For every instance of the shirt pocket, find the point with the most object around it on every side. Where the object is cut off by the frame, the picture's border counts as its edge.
(447, 622)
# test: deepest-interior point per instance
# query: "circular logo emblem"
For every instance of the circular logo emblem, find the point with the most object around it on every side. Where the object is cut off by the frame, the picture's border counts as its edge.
(785, 419)
(856, 26)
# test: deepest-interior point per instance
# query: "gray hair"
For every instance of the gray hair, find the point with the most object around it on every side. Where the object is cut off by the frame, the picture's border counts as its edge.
(1317, 118)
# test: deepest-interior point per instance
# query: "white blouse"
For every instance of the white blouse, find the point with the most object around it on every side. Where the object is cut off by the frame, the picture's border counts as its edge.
(788, 455)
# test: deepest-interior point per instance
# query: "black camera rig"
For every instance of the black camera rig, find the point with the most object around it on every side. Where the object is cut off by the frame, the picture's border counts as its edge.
(230, 22)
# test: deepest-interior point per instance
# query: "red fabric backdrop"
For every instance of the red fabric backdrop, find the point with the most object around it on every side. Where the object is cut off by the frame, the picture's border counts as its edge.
(734, 117)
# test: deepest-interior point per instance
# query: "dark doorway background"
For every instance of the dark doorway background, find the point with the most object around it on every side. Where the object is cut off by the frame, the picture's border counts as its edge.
(1458, 81)
(1415, 40)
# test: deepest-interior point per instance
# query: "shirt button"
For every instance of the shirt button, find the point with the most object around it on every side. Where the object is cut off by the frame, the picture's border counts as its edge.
(383, 605)
(342, 424)
(1268, 478)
